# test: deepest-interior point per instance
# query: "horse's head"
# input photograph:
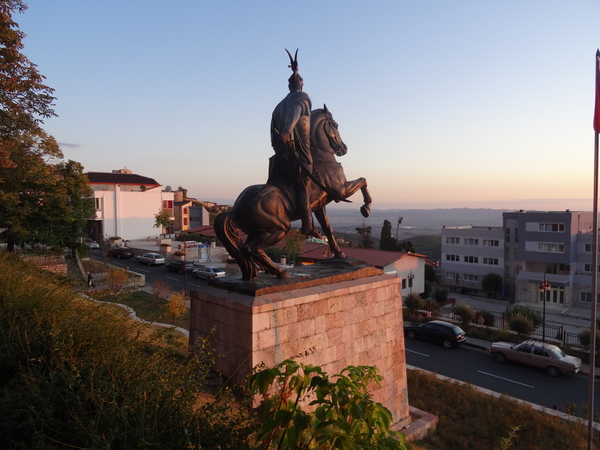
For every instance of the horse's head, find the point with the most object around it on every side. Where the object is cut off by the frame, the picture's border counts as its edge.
(330, 128)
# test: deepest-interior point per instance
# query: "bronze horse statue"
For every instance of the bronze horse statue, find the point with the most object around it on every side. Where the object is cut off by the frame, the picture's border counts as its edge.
(265, 211)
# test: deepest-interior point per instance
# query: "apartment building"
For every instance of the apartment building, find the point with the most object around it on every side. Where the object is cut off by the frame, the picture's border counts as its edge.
(529, 248)
(468, 254)
(126, 205)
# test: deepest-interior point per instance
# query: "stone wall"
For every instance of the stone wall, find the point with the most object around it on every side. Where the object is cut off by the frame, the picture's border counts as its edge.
(335, 325)
(51, 263)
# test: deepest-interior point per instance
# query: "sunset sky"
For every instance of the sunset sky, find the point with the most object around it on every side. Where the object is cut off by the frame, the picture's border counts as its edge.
(441, 104)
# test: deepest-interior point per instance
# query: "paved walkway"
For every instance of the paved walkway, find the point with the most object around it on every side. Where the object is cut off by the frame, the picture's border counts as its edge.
(573, 319)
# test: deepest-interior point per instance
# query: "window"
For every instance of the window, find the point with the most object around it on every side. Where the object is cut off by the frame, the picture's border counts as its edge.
(451, 276)
(551, 247)
(403, 283)
(185, 210)
(98, 204)
(452, 257)
(490, 261)
(471, 259)
(469, 241)
(491, 243)
(587, 297)
(470, 277)
(452, 240)
(167, 204)
(552, 227)
(185, 221)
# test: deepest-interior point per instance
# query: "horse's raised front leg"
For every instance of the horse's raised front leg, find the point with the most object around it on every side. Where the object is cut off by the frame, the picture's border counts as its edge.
(352, 186)
(321, 216)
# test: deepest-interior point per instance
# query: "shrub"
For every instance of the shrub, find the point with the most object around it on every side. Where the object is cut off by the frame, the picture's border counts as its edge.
(464, 313)
(521, 325)
(488, 318)
(440, 294)
(584, 337)
(525, 311)
(413, 302)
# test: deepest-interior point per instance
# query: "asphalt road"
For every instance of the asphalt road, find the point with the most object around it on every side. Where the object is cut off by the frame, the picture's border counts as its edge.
(479, 368)
(153, 273)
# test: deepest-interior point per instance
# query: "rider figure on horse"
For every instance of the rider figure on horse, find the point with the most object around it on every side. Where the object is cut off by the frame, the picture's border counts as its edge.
(290, 138)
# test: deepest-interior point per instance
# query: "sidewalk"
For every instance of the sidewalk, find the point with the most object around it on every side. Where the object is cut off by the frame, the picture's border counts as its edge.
(573, 319)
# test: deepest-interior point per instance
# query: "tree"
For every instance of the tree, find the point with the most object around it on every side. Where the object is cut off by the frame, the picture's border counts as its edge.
(492, 282)
(387, 242)
(413, 302)
(162, 219)
(405, 246)
(429, 273)
(183, 190)
(116, 281)
(40, 196)
(160, 289)
(176, 307)
(521, 324)
(292, 245)
(464, 313)
(367, 240)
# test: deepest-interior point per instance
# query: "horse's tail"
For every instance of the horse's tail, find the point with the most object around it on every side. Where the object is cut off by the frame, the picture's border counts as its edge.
(230, 239)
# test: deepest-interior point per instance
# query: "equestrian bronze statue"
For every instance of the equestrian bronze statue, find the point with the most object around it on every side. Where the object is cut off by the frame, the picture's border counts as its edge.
(304, 177)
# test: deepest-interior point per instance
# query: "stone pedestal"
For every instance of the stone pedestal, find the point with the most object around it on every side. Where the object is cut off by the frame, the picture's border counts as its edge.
(332, 321)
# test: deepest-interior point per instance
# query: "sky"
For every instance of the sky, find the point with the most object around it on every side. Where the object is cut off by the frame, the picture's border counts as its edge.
(441, 104)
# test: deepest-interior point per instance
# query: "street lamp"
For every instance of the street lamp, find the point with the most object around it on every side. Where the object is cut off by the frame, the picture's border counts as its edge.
(544, 287)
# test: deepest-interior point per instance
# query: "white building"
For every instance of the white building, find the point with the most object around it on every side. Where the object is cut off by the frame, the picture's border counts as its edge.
(126, 205)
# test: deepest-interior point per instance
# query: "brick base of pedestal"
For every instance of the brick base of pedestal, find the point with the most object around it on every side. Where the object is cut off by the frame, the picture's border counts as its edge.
(357, 322)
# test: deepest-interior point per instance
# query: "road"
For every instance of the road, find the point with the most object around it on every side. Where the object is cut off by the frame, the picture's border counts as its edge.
(153, 273)
(479, 368)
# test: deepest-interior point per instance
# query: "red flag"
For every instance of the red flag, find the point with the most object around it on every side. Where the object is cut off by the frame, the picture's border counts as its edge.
(597, 106)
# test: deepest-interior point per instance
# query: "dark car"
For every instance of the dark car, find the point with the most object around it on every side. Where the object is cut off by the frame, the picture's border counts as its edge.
(122, 252)
(180, 266)
(444, 333)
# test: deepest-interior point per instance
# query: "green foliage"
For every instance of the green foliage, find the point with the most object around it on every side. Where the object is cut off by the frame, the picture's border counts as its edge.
(413, 302)
(427, 289)
(430, 273)
(488, 318)
(469, 419)
(585, 338)
(366, 239)
(387, 242)
(344, 415)
(440, 294)
(162, 219)
(405, 246)
(75, 374)
(464, 313)
(521, 324)
(292, 245)
(492, 282)
(525, 311)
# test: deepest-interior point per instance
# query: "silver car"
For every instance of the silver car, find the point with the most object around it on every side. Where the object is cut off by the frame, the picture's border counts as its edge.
(209, 272)
(152, 259)
(538, 354)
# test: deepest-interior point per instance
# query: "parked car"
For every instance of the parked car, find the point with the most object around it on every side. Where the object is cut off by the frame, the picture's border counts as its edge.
(209, 272)
(438, 331)
(92, 245)
(152, 259)
(538, 354)
(122, 252)
(180, 266)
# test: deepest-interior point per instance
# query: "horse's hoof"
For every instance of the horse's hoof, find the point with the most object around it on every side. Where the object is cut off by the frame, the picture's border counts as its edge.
(365, 210)
(283, 275)
(340, 255)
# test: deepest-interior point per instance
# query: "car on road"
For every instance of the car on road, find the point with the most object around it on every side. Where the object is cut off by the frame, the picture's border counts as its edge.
(92, 245)
(209, 272)
(152, 259)
(180, 266)
(121, 252)
(447, 334)
(539, 354)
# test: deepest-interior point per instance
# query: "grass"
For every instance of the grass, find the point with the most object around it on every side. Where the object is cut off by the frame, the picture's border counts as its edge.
(147, 307)
(470, 419)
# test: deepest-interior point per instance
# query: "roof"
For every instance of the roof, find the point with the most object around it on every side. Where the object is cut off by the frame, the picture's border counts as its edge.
(120, 178)
(377, 258)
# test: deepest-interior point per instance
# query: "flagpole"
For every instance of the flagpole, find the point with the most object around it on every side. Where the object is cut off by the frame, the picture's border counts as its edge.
(594, 262)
